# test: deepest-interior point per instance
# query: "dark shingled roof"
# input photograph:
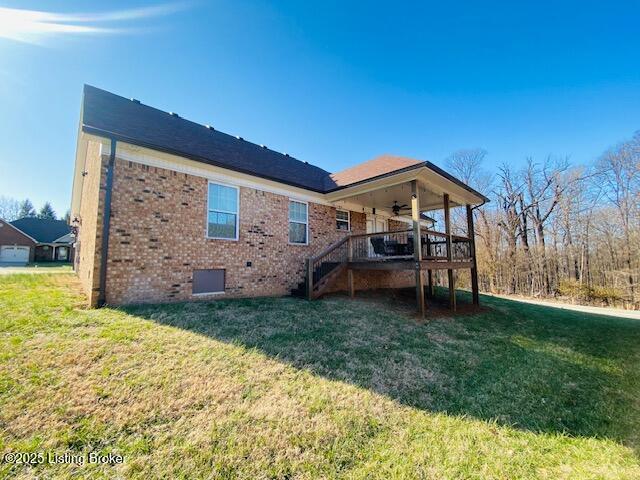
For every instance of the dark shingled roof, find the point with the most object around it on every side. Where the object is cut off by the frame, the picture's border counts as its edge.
(112, 116)
(106, 114)
(42, 230)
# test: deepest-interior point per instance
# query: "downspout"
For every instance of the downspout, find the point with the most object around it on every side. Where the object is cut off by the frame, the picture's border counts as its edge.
(106, 222)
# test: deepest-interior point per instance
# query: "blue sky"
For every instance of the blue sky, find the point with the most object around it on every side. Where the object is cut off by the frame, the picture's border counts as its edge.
(334, 83)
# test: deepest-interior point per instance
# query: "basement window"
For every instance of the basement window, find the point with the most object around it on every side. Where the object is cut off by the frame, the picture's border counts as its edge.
(209, 281)
(343, 220)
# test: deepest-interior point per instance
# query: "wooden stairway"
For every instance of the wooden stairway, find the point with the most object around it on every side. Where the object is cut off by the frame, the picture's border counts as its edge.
(322, 270)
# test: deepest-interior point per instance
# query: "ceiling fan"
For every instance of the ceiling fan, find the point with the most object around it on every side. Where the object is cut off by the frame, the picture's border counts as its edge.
(396, 209)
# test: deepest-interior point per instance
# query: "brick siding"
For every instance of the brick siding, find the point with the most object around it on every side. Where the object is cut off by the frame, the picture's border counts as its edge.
(157, 239)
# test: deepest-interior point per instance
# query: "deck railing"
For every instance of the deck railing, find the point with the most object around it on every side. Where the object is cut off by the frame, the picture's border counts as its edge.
(399, 244)
(434, 246)
(380, 246)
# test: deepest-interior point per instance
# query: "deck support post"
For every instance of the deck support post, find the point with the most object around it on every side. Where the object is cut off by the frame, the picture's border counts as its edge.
(417, 246)
(309, 279)
(447, 229)
(472, 251)
(352, 290)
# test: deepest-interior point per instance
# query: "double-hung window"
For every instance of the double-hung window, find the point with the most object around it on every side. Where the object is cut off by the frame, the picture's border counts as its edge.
(298, 222)
(342, 220)
(222, 212)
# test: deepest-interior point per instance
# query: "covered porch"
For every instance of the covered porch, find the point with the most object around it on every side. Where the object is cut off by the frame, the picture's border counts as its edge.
(410, 198)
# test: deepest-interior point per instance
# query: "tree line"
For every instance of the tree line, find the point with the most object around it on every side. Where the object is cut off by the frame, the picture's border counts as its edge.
(12, 209)
(553, 228)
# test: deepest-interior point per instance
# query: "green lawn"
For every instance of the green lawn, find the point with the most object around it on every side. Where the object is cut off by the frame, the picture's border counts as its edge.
(283, 388)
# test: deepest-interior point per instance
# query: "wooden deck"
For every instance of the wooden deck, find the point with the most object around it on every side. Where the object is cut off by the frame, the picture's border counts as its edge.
(408, 264)
(415, 249)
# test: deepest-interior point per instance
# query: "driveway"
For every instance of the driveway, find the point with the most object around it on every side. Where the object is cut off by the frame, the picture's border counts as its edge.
(11, 268)
(613, 312)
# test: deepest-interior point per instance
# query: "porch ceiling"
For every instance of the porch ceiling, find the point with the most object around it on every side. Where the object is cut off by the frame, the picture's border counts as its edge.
(382, 192)
(382, 199)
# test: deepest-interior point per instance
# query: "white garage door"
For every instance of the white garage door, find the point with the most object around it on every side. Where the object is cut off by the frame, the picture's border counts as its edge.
(13, 253)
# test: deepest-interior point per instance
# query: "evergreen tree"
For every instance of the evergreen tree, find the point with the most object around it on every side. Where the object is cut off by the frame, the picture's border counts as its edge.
(47, 212)
(26, 209)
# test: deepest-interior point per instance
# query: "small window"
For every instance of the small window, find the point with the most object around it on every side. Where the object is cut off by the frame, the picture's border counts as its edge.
(208, 281)
(298, 222)
(222, 214)
(342, 220)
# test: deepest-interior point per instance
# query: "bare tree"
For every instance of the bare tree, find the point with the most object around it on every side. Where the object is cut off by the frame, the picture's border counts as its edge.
(619, 177)
(468, 166)
(9, 208)
(508, 197)
(554, 229)
(544, 190)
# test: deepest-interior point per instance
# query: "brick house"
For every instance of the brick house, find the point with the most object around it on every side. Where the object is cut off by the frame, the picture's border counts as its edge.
(170, 210)
(32, 239)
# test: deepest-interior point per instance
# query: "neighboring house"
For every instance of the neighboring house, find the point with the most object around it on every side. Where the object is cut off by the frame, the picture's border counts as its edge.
(171, 210)
(32, 239)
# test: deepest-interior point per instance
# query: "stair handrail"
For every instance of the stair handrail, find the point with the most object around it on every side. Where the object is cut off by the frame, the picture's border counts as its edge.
(311, 261)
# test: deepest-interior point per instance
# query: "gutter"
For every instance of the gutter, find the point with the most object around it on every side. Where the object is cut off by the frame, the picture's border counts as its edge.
(485, 201)
(106, 223)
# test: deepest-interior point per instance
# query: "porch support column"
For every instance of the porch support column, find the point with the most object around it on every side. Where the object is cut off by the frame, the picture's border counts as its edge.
(447, 229)
(417, 246)
(472, 250)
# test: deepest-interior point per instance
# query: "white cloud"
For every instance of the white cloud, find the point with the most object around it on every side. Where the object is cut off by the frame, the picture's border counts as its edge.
(33, 26)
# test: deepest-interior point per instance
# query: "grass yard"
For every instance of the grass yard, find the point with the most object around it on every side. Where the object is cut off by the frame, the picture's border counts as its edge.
(283, 388)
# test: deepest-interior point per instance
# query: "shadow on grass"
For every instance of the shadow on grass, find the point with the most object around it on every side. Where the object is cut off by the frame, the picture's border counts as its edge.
(531, 367)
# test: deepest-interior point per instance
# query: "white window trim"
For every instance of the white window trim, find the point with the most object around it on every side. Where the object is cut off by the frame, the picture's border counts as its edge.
(237, 214)
(293, 221)
(348, 220)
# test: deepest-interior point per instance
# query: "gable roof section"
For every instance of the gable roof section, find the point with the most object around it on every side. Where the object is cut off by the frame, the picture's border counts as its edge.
(373, 168)
(107, 114)
(9, 224)
(42, 230)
